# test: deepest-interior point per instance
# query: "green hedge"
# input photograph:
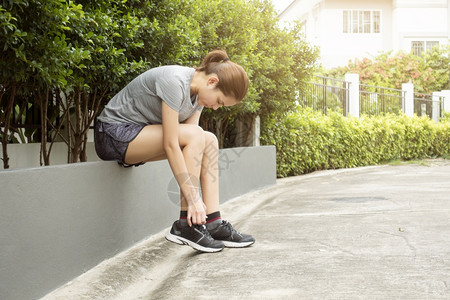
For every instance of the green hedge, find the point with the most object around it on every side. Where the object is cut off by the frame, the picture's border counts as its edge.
(307, 140)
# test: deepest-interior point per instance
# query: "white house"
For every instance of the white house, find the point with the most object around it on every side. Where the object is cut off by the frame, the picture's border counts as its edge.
(349, 29)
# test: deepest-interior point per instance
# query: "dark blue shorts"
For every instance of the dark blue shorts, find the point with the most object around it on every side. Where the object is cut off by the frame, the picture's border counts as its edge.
(112, 140)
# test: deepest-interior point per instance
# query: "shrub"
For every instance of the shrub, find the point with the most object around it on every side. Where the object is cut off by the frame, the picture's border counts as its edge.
(307, 140)
(63, 60)
(392, 69)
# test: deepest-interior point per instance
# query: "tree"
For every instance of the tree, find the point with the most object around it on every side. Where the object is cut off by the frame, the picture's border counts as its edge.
(391, 70)
(65, 59)
(277, 60)
(12, 71)
(69, 58)
(438, 59)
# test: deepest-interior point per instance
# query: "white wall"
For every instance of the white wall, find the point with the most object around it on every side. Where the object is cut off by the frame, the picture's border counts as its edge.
(27, 155)
(402, 21)
(419, 24)
(298, 9)
(338, 48)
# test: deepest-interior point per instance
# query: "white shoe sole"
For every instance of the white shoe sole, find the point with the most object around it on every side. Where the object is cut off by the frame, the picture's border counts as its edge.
(182, 241)
(237, 245)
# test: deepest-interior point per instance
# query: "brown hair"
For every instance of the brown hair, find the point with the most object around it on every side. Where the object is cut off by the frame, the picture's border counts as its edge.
(233, 81)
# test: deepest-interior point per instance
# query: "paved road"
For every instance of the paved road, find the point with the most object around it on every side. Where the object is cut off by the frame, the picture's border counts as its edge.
(366, 233)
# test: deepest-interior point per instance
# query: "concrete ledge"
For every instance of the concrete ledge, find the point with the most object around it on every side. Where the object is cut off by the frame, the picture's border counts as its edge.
(58, 222)
(28, 155)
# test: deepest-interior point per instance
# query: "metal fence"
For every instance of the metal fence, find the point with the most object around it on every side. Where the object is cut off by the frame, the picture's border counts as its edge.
(425, 104)
(325, 93)
(375, 100)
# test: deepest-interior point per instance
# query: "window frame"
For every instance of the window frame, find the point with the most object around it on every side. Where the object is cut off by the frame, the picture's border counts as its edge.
(361, 21)
(419, 47)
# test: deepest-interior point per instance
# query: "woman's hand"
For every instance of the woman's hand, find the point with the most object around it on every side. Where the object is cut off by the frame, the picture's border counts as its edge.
(196, 213)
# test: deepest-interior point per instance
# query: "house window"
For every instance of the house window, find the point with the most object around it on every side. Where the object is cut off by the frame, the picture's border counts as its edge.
(376, 21)
(418, 47)
(432, 44)
(361, 21)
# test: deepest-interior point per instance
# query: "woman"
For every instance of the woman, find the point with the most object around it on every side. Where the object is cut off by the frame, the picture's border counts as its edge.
(156, 117)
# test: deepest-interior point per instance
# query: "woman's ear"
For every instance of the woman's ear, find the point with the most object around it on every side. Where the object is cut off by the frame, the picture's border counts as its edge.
(212, 79)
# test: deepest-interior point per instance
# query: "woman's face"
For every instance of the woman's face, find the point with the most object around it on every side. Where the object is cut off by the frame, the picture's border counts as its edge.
(211, 97)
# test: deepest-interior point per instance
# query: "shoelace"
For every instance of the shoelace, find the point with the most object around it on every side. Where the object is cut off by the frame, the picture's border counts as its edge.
(230, 228)
(202, 229)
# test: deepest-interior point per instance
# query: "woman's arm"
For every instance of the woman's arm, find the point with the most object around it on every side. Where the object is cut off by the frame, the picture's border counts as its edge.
(194, 119)
(196, 207)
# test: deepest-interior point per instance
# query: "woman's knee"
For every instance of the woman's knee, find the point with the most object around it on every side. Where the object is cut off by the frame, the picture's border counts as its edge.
(193, 136)
(211, 141)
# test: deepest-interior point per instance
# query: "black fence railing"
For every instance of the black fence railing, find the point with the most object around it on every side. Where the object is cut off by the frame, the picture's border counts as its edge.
(374, 100)
(428, 105)
(325, 93)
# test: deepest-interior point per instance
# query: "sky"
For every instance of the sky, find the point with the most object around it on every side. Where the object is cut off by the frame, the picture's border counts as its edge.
(280, 5)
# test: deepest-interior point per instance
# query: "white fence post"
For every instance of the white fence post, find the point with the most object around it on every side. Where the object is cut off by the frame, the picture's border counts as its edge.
(446, 95)
(436, 105)
(408, 104)
(256, 132)
(353, 101)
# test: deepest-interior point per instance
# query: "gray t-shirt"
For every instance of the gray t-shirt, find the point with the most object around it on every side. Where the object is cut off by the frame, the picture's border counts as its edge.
(140, 101)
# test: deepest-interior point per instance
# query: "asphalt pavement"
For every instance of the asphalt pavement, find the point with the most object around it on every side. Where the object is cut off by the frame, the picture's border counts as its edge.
(379, 232)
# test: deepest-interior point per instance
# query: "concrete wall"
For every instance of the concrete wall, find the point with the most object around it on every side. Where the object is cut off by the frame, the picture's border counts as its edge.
(28, 155)
(57, 222)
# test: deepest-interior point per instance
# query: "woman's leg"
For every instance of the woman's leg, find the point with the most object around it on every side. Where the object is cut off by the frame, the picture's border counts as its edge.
(209, 175)
(146, 146)
(192, 142)
(200, 151)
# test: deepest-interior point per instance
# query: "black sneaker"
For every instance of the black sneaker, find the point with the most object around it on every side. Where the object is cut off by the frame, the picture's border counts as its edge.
(230, 237)
(196, 236)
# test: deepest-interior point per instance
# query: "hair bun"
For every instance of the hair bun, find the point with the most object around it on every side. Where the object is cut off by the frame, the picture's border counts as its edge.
(215, 56)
